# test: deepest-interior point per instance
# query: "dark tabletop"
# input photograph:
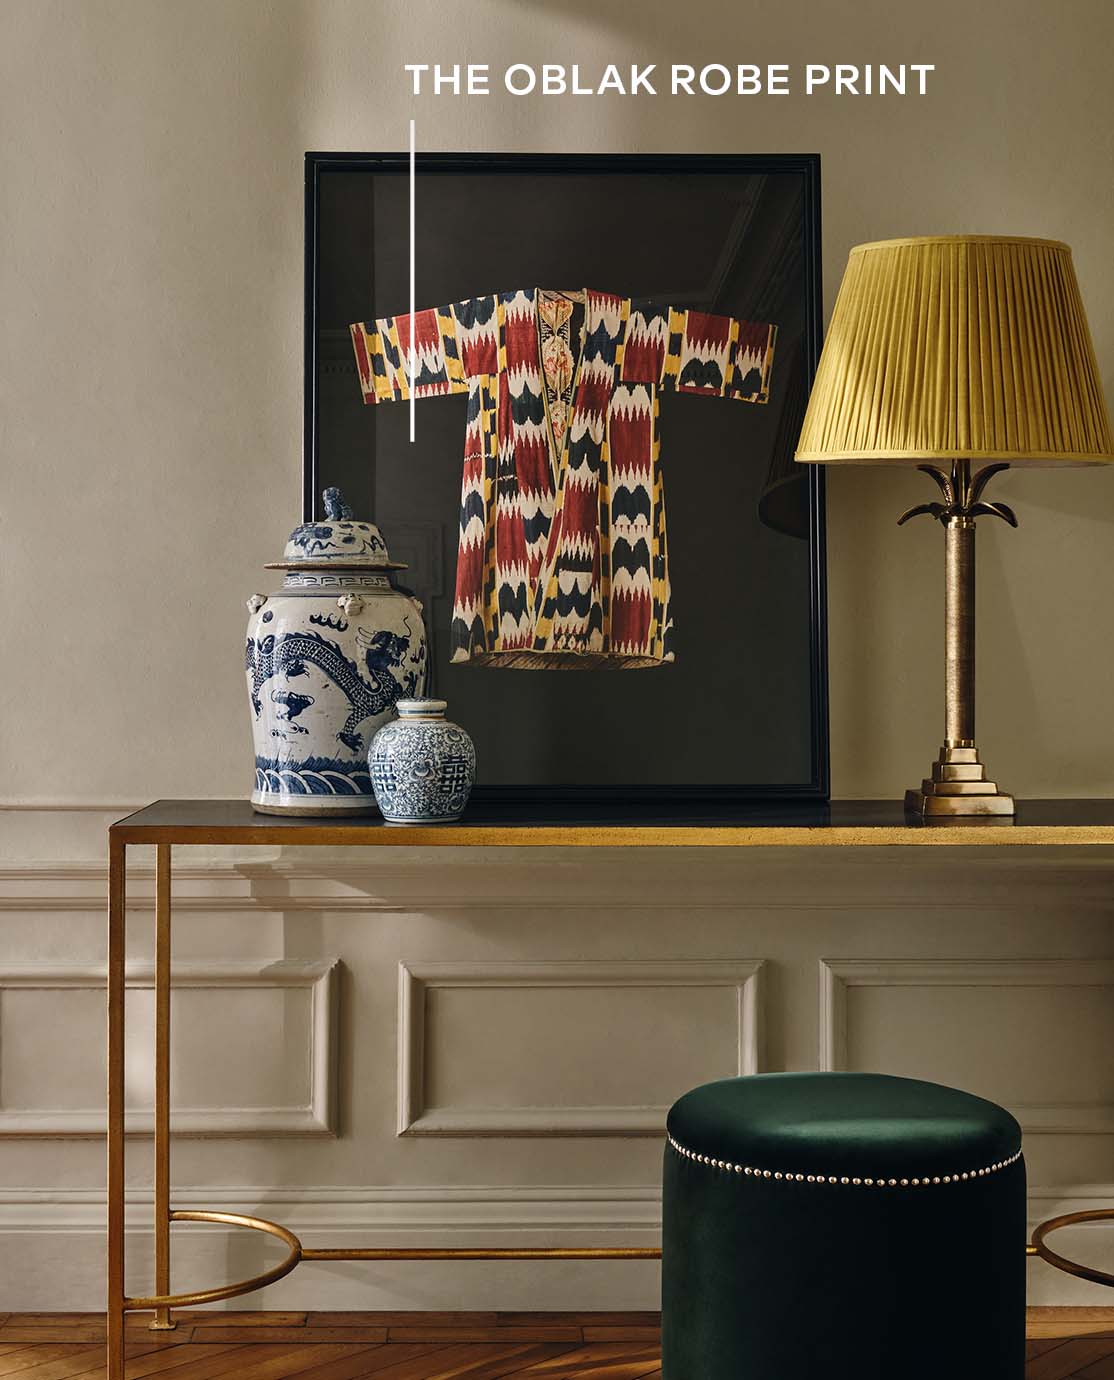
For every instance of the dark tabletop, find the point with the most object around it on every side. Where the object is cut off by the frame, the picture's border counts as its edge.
(839, 822)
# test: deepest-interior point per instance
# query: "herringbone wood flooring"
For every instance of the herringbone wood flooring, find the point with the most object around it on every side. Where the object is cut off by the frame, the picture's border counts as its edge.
(1064, 1344)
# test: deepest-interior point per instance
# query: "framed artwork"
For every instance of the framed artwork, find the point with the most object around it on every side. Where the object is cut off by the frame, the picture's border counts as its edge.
(621, 565)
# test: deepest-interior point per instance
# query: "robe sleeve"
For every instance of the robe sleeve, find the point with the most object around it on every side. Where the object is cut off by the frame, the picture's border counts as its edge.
(382, 349)
(694, 352)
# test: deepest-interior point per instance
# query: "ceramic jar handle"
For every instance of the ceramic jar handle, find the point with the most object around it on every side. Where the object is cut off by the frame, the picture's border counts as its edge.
(351, 604)
(256, 602)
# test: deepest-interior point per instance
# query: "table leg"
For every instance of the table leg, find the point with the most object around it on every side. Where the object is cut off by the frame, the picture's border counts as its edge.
(117, 935)
(162, 1321)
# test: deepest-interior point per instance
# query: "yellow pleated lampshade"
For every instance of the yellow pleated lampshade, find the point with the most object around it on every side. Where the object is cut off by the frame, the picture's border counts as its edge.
(958, 347)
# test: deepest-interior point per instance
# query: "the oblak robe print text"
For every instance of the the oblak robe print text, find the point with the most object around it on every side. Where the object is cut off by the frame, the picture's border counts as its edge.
(563, 558)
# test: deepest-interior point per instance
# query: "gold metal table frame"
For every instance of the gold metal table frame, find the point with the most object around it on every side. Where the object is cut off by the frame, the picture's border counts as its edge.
(233, 823)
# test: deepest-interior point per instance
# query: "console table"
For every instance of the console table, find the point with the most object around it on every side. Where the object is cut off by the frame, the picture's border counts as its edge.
(233, 822)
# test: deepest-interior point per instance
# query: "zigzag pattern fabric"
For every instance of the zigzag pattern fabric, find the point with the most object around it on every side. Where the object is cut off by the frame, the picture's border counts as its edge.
(563, 560)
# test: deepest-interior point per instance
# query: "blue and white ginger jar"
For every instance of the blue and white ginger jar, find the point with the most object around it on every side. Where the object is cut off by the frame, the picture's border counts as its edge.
(327, 658)
(422, 765)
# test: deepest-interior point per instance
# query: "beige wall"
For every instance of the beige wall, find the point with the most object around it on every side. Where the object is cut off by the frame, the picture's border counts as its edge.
(151, 340)
(150, 400)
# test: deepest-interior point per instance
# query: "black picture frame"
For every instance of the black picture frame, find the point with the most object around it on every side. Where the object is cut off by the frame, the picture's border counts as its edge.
(811, 784)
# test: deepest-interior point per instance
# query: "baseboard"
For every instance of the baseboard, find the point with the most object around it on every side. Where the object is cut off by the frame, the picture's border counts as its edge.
(356, 1208)
(426, 1208)
(58, 1237)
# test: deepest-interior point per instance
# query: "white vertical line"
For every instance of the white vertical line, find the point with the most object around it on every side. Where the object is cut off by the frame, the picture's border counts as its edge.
(410, 361)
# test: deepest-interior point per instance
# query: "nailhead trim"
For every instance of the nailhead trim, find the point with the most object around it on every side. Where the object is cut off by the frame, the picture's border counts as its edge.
(922, 1182)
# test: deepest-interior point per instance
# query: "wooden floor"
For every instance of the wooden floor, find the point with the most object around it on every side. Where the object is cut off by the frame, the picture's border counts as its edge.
(1063, 1344)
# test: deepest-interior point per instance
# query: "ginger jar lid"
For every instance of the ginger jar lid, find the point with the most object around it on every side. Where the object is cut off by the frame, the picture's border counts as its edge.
(336, 541)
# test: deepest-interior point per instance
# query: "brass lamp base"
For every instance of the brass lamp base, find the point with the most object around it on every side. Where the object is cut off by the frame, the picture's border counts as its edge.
(958, 788)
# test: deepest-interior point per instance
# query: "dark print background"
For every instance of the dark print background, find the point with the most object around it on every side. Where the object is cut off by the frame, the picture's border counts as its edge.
(741, 712)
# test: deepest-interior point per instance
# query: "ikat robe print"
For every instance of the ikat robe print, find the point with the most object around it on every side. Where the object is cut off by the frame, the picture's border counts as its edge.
(563, 560)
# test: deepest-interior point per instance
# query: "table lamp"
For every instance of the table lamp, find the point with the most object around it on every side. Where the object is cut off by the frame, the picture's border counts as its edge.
(943, 352)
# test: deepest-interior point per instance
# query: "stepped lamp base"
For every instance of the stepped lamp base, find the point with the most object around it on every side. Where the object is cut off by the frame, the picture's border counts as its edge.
(958, 788)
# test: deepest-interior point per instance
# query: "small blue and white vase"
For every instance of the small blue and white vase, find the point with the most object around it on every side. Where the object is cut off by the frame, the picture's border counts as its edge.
(422, 765)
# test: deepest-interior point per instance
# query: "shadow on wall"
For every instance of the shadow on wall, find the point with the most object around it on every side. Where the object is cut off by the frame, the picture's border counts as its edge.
(1045, 611)
(1085, 494)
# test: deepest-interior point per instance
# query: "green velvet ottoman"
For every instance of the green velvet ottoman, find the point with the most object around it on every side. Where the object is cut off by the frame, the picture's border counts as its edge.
(824, 1226)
